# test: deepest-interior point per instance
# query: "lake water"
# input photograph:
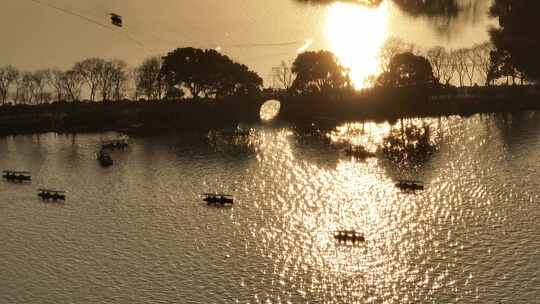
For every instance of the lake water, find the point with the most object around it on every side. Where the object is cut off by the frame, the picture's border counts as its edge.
(138, 232)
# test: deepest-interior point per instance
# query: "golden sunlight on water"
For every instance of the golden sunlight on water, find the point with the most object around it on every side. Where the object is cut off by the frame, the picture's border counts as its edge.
(351, 195)
(356, 35)
(369, 135)
(140, 234)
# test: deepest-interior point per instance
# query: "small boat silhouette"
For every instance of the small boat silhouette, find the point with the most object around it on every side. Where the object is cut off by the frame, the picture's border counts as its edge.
(410, 185)
(218, 199)
(47, 194)
(351, 236)
(17, 176)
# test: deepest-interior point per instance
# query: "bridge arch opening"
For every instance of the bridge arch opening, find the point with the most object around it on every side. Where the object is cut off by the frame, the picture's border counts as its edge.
(270, 110)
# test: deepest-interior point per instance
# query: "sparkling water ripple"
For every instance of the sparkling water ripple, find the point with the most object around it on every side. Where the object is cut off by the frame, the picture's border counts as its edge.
(138, 233)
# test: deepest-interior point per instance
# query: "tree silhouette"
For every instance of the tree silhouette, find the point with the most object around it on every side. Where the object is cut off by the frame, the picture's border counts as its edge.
(105, 80)
(407, 70)
(17, 97)
(460, 64)
(73, 82)
(90, 70)
(391, 48)
(502, 66)
(208, 74)
(471, 66)
(318, 72)
(149, 81)
(120, 78)
(517, 41)
(436, 57)
(283, 76)
(8, 76)
(174, 93)
(107, 77)
(27, 88)
(58, 83)
(31, 87)
(482, 54)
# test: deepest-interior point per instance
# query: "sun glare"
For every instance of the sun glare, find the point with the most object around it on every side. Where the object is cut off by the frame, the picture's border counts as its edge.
(356, 35)
(304, 47)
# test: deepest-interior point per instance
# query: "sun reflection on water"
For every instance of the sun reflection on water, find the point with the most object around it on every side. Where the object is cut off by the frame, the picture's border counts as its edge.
(356, 34)
(311, 202)
(406, 252)
(369, 135)
(276, 245)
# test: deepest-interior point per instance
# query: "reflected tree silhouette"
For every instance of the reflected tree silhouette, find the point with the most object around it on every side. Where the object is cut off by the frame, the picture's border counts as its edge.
(404, 145)
(233, 141)
(514, 128)
(408, 145)
(407, 151)
(319, 151)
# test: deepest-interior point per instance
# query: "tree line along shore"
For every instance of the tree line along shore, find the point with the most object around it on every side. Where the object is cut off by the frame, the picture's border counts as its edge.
(192, 88)
(158, 117)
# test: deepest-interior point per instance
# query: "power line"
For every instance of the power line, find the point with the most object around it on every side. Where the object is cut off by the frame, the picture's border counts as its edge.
(278, 44)
(63, 10)
(126, 34)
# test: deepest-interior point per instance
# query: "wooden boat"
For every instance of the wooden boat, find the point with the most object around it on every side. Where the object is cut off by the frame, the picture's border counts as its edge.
(218, 199)
(350, 236)
(17, 176)
(115, 144)
(47, 194)
(104, 158)
(410, 185)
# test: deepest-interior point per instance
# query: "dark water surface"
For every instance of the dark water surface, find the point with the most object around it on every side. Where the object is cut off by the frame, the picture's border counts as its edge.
(138, 233)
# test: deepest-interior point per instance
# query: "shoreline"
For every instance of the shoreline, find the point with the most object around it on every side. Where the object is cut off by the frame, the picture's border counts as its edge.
(139, 118)
(162, 117)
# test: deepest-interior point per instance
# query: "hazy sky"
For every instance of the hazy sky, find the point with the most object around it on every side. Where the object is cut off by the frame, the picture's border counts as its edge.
(35, 36)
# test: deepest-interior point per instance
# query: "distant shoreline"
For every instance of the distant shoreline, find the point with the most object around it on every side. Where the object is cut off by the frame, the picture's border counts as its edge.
(137, 117)
(393, 104)
(199, 115)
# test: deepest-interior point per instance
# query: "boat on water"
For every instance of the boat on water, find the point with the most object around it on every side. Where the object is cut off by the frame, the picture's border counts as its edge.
(350, 236)
(17, 176)
(218, 199)
(47, 194)
(115, 144)
(410, 185)
(104, 158)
